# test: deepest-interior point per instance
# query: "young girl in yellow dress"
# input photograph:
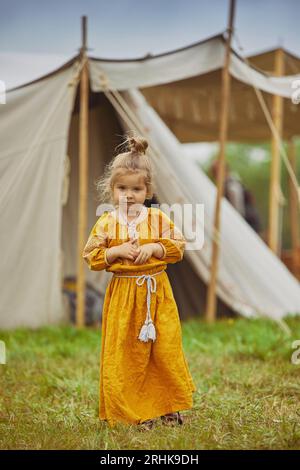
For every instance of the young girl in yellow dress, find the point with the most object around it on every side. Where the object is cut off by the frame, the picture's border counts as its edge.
(143, 371)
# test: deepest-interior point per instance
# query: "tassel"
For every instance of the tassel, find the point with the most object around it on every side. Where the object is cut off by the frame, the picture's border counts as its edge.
(147, 332)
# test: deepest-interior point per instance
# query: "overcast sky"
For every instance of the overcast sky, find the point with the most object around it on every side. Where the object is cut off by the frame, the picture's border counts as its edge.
(133, 28)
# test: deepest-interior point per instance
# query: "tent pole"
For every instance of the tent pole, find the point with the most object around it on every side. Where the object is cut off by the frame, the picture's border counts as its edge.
(210, 313)
(274, 193)
(83, 178)
(293, 209)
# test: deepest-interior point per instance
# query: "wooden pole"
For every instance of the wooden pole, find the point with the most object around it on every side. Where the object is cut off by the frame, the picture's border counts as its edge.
(293, 209)
(83, 178)
(210, 313)
(274, 193)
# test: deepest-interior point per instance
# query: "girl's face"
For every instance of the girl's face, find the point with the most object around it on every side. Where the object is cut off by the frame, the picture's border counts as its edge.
(129, 189)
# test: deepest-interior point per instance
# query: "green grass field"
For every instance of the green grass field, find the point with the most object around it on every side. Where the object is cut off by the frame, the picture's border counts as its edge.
(248, 390)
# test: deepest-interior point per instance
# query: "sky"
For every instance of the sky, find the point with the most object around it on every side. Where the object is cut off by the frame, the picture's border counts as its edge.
(130, 28)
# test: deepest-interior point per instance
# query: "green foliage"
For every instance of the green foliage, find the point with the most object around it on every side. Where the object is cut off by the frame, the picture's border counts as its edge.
(252, 164)
(247, 395)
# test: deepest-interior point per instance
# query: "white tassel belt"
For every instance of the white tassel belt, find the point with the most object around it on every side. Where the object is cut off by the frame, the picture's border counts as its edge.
(148, 329)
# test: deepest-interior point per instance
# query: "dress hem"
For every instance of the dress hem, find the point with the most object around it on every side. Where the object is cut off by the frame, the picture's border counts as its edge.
(166, 410)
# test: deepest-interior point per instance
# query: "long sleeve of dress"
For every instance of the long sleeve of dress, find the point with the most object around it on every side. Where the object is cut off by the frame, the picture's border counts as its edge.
(94, 251)
(171, 239)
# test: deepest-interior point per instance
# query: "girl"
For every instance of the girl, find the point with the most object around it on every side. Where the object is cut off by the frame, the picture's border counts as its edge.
(143, 370)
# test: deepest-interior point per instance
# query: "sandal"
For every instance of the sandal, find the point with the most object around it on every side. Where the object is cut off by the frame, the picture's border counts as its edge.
(171, 419)
(146, 425)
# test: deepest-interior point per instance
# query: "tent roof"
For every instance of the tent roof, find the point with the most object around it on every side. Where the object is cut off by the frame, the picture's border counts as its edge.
(190, 107)
(22, 69)
(184, 85)
(149, 70)
(266, 61)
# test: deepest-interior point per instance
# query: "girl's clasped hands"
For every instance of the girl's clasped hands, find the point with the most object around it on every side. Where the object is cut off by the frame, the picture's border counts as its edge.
(138, 254)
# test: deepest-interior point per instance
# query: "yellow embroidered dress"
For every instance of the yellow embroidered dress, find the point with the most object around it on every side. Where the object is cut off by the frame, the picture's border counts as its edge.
(139, 379)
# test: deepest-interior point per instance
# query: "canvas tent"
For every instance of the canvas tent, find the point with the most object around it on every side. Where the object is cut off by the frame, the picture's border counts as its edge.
(190, 106)
(39, 127)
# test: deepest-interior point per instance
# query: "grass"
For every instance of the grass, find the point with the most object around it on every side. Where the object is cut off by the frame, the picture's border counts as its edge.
(248, 390)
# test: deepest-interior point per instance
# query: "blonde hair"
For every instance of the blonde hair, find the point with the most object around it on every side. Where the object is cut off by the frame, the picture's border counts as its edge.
(134, 160)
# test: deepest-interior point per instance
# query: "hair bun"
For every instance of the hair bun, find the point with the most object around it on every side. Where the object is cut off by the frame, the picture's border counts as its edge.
(138, 144)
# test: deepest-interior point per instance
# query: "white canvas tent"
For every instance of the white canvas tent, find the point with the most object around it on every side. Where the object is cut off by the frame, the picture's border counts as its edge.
(39, 127)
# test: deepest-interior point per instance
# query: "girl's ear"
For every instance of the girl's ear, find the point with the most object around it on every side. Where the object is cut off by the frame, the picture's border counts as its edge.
(149, 194)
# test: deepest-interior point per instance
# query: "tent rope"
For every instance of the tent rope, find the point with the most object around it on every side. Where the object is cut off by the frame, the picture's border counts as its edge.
(78, 66)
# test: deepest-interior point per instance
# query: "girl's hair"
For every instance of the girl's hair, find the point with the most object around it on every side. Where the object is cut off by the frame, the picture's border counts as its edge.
(134, 160)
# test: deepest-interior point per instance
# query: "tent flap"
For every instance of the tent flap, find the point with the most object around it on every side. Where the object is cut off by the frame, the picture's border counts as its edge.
(33, 133)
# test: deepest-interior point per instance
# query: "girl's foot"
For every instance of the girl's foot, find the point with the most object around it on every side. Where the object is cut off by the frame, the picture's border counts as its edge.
(171, 419)
(146, 425)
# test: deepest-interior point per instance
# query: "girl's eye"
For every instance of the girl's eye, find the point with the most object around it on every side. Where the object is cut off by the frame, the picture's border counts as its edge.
(136, 189)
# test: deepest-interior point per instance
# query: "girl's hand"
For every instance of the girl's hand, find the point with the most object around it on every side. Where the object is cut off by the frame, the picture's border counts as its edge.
(128, 250)
(145, 252)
